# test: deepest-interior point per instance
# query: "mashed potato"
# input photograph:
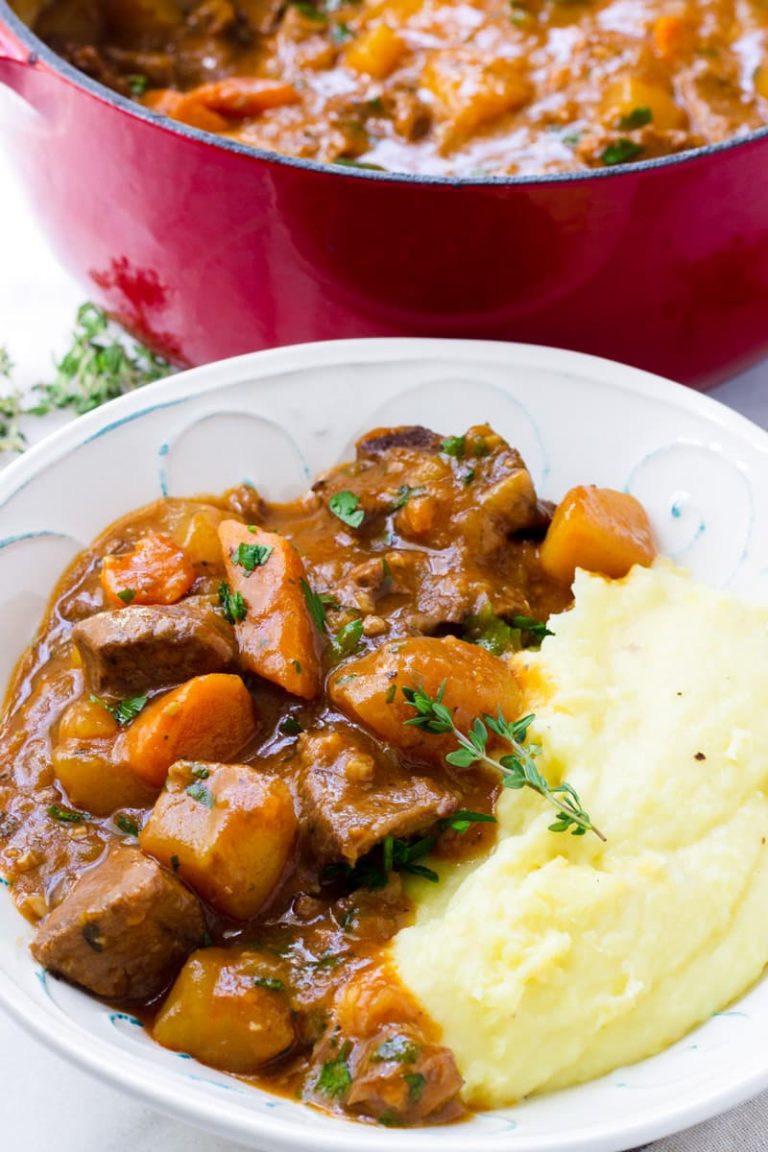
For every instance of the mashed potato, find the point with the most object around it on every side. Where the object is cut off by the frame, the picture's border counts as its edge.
(558, 959)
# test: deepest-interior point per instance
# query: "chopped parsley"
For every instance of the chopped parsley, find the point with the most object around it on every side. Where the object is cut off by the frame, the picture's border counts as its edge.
(536, 629)
(498, 635)
(347, 638)
(314, 604)
(401, 1049)
(346, 506)
(271, 983)
(124, 711)
(622, 151)
(455, 446)
(251, 556)
(291, 726)
(127, 824)
(175, 863)
(391, 693)
(416, 1082)
(232, 603)
(66, 815)
(201, 792)
(341, 32)
(404, 494)
(335, 1077)
(637, 118)
(126, 595)
(463, 819)
(137, 83)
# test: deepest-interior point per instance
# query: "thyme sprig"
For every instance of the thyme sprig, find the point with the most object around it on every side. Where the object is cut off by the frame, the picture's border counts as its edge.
(517, 767)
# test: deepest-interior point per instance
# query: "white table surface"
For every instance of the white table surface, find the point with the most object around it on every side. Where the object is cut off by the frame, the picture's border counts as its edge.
(46, 1105)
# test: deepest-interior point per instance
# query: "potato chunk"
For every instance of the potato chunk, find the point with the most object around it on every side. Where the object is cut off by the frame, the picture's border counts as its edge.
(209, 717)
(473, 89)
(85, 763)
(377, 52)
(629, 96)
(227, 1010)
(599, 530)
(227, 830)
(370, 689)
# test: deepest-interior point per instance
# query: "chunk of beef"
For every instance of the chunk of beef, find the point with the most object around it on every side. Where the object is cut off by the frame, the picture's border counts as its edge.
(395, 1076)
(398, 1076)
(139, 647)
(382, 440)
(352, 800)
(124, 929)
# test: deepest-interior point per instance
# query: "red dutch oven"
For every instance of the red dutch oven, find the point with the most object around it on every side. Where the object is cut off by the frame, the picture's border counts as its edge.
(207, 249)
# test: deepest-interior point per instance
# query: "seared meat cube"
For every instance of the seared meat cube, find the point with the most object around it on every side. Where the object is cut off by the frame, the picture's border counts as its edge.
(398, 1076)
(351, 801)
(379, 441)
(394, 1076)
(124, 929)
(140, 647)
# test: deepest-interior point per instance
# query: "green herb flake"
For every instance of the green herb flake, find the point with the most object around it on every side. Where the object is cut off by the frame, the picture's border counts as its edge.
(251, 556)
(296, 666)
(232, 604)
(468, 476)
(391, 693)
(201, 793)
(341, 32)
(416, 1082)
(291, 726)
(127, 824)
(455, 446)
(404, 494)
(200, 771)
(347, 638)
(463, 819)
(335, 1078)
(175, 863)
(66, 815)
(400, 1049)
(637, 118)
(271, 983)
(314, 604)
(137, 83)
(126, 595)
(124, 711)
(622, 151)
(346, 506)
(536, 629)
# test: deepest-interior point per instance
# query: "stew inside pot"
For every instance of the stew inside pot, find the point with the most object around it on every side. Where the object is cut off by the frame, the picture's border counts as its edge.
(462, 87)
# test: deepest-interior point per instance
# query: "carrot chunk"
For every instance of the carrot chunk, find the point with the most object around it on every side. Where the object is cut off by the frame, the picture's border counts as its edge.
(672, 36)
(241, 97)
(377, 52)
(600, 530)
(156, 571)
(277, 638)
(186, 108)
(208, 718)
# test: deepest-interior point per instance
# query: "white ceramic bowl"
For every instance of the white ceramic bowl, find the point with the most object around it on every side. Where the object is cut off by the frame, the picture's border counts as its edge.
(275, 418)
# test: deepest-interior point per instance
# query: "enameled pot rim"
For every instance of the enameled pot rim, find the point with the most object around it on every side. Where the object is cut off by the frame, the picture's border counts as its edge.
(40, 52)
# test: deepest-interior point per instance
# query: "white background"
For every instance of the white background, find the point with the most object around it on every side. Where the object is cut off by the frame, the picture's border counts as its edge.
(46, 1106)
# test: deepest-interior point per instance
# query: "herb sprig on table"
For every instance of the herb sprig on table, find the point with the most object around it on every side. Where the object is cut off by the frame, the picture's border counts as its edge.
(100, 365)
(517, 767)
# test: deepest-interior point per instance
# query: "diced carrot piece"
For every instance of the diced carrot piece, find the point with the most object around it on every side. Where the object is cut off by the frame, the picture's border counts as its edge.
(672, 36)
(208, 718)
(156, 571)
(370, 689)
(277, 638)
(186, 108)
(241, 97)
(599, 530)
(377, 52)
(227, 829)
